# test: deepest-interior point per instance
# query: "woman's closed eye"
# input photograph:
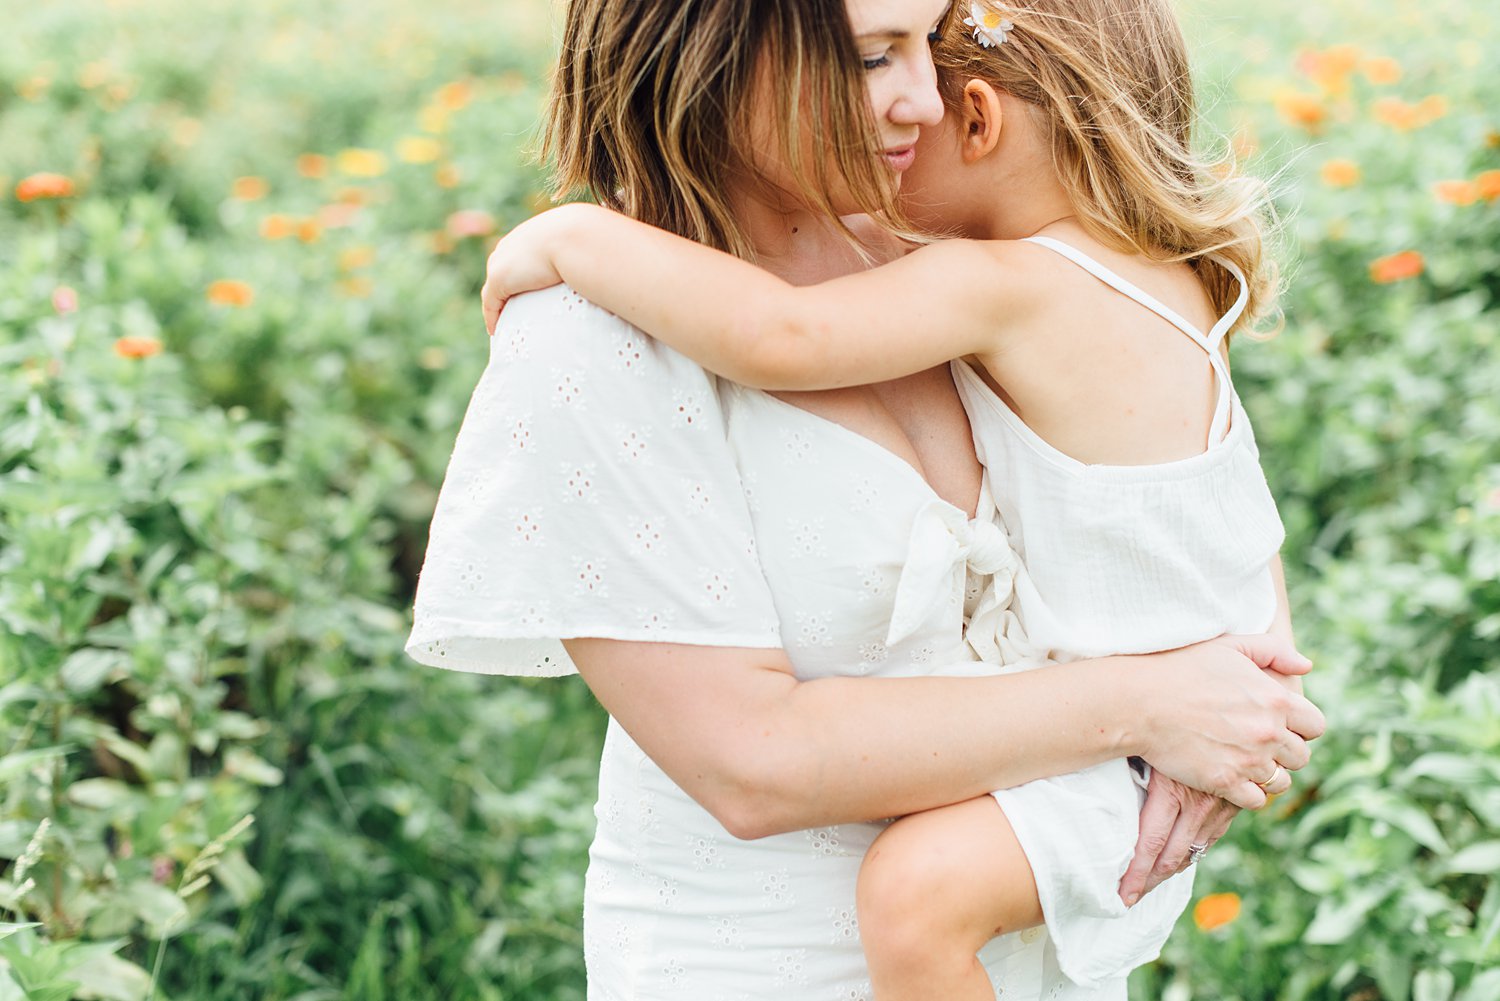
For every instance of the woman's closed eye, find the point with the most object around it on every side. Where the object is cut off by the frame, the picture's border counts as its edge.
(876, 62)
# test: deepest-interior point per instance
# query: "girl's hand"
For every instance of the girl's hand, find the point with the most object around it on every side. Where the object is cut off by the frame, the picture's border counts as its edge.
(522, 261)
(1221, 723)
(1174, 818)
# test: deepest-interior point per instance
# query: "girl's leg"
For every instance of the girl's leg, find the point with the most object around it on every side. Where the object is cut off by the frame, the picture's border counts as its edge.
(933, 889)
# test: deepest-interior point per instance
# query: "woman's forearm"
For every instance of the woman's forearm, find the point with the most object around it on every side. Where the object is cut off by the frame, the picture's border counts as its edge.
(766, 753)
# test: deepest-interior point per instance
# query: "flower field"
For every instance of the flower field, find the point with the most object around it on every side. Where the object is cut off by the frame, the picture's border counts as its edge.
(240, 249)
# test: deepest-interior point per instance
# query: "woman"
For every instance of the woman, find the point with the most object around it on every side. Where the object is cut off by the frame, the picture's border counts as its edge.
(674, 534)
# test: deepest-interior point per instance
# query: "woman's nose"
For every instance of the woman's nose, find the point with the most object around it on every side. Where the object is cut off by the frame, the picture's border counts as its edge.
(919, 102)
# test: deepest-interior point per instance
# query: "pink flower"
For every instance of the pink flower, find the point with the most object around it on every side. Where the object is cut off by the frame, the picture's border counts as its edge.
(64, 300)
(470, 222)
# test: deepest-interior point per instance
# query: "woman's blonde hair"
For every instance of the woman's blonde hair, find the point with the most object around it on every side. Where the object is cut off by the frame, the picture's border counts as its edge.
(1111, 81)
(650, 105)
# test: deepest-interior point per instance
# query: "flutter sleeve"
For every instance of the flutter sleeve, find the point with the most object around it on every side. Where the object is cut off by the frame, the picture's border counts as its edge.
(591, 493)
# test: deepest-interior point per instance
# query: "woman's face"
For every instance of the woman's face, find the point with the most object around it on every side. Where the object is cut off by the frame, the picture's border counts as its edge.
(893, 39)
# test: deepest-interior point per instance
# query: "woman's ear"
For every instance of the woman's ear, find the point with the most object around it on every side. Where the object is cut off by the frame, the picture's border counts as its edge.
(982, 120)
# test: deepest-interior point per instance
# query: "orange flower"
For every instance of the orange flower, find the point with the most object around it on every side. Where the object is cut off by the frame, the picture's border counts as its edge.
(352, 196)
(1431, 108)
(308, 230)
(361, 162)
(44, 185)
(470, 222)
(277, 226)
(249, 188)
(1382, 70)
(1488, 185)
(1456, 192)
(440, 242)
(453, 96)
(1331, 68)
(230, 292)
(339, 215)
(137, 347)
(1216, 910)
(312, 165)
(1304, 110)
(447, 176)
(1396, 267)
(1396, 113)
(1340, 173)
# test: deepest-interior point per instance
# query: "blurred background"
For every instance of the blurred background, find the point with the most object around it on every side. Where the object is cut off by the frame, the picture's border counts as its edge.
(240, 248)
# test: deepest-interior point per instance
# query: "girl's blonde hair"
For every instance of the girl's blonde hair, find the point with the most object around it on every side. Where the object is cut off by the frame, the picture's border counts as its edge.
(1111, 81)
(650, 106)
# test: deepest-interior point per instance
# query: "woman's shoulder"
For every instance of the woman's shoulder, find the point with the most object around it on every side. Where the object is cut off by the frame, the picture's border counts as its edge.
(556, 327)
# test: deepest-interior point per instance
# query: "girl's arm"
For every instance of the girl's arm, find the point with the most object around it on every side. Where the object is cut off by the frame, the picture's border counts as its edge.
(765, 753)
(943, 301)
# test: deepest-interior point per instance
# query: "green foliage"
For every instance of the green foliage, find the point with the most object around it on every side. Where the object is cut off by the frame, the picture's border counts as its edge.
(225, 406)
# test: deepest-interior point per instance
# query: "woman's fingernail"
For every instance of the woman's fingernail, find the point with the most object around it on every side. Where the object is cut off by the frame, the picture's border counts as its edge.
(1131, 898)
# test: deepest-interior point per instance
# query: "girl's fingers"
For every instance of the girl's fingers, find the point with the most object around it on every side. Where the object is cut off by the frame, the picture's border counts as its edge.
(1158, 816)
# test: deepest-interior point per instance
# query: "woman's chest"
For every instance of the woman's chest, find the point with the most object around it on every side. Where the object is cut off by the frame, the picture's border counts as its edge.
(867, 564)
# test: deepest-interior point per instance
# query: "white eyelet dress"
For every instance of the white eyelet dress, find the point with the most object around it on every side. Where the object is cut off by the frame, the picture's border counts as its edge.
(603, 485)
(1120, 560)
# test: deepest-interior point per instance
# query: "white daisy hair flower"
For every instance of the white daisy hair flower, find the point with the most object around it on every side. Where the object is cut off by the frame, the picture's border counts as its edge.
(990, 29)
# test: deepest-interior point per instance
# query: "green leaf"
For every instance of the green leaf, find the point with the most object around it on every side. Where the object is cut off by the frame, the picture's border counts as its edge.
(162, 910)
(87, 670)
(1481, 858)
(1432, 985)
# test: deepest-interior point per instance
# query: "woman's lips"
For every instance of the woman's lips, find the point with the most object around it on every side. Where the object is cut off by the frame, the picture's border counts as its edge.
(901, 158)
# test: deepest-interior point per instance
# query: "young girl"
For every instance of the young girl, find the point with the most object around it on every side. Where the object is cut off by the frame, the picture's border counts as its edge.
(1088, 306)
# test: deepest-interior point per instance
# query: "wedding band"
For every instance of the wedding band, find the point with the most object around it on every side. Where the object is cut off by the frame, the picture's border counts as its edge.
(1196, 852)
(1274, 777)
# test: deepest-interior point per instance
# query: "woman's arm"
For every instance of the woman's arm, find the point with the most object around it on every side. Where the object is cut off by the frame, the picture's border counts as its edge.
(944, 301)
(765, 753)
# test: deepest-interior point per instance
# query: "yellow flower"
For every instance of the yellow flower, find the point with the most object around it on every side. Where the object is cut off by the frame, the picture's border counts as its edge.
(249, 188)
(358, 287)
(33, 88)
(1396, 267)
(230, 292)
(355, 258)
(361, 162)
(433, 119)
(1340, 173)
(447, 176)
(1431, 108)
(1216, 910)
(418, 149)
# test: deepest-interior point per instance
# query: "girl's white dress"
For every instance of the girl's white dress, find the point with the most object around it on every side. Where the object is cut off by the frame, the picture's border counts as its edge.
(1121, 560)
(603, 485)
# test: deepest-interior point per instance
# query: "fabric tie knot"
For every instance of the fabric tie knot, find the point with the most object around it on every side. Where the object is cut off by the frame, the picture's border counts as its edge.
(944, 543)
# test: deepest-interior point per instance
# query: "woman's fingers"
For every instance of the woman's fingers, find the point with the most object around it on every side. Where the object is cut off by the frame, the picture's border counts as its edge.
(1279, 782)
(1269, 651)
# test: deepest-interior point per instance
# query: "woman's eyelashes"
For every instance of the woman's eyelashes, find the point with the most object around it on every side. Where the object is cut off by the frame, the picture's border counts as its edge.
(876, 62)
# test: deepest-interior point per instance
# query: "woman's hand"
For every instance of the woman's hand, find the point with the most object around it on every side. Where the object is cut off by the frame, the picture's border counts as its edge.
(523, 260)
(1174, 819)
(1217, 719)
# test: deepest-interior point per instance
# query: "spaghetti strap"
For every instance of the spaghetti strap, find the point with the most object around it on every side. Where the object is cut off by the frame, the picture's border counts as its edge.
(1209, 342)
